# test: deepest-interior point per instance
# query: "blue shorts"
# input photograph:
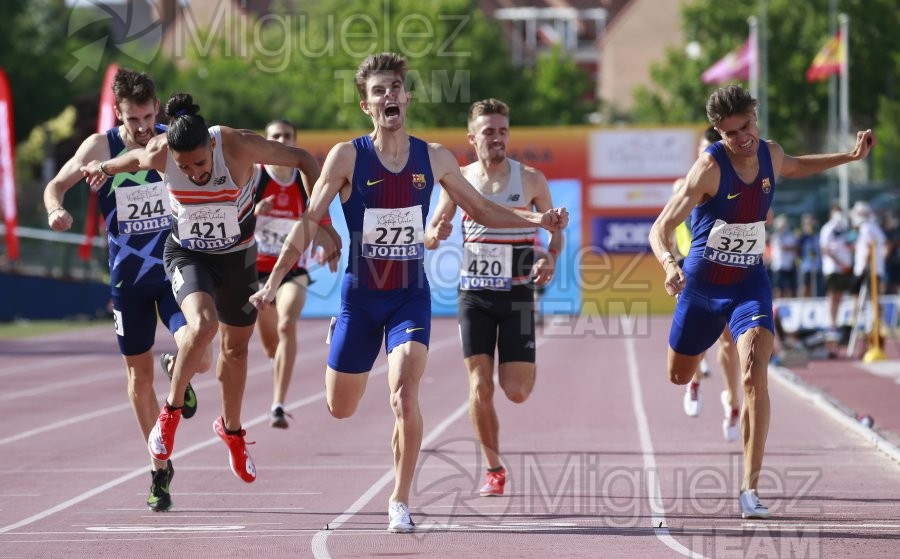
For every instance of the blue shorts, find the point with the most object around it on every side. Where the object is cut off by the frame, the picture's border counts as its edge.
(368, 315)
(703, 310)
(135, 310)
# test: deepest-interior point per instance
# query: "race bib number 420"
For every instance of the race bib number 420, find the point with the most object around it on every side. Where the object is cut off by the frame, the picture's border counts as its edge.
(739, 245)
(393, 233)
(486, 266)
(208, 227)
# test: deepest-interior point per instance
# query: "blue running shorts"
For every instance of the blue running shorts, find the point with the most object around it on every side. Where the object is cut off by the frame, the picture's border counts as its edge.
(135, 310)
(703, 310)
(369, 315)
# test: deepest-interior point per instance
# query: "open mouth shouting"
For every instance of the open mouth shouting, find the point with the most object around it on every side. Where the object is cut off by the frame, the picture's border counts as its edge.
(391, 109)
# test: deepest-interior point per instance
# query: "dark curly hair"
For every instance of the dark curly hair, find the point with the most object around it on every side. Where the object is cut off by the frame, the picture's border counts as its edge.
(187, 129)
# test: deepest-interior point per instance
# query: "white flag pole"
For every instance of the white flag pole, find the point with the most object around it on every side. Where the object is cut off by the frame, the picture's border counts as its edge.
(754, 57)
(844, 132)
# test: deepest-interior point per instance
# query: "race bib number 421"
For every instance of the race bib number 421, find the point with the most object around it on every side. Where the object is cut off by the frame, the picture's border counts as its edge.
(739, 245)
(208, 227)
(393, 233)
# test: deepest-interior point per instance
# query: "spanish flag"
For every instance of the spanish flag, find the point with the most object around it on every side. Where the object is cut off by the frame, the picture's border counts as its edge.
(828, 60)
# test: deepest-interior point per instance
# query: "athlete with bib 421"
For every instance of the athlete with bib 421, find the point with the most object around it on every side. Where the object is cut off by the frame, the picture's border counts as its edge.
(384, 181)
(136, 210)
(728, 193)
(210, 253)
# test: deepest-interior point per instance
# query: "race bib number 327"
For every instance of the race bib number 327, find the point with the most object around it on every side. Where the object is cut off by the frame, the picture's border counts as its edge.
(739, 245)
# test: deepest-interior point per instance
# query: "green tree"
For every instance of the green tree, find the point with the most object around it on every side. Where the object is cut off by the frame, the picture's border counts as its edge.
(36, 52)
(300, 65)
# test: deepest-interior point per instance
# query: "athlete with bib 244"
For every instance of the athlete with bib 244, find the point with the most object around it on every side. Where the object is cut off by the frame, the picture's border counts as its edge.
(728, 193)
(136, 210)
(384, 180)
(210, 253)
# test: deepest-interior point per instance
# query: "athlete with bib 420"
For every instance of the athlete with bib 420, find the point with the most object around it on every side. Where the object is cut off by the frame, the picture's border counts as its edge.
(384, 181)
(728, 193)
(210, 253)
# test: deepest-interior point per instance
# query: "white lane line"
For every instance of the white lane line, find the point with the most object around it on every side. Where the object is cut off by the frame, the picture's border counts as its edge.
(320, 540)
(207, 379)
(821, 400)
(65, 423)
(143, 470)
(177, 455)
(67, 361)
(658, 515)
(44, 388)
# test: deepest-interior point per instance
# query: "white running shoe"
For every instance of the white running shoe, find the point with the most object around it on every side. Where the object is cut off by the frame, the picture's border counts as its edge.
(693, 399)
(399, 519)
(750, 505)
(704, 368)
(731, 425)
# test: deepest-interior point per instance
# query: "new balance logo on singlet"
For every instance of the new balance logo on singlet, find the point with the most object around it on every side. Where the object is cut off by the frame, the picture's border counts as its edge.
(219, 181)
(513, 198)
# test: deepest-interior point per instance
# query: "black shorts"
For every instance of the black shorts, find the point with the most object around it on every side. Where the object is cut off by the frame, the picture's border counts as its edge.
(838, 282)
(295, 273)
(501, 319)
(229, 278)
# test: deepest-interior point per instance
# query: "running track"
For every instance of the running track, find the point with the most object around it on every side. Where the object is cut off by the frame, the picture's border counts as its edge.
(602, 462)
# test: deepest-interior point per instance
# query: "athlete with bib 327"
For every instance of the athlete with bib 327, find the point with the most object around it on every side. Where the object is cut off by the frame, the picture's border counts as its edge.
(384, 181)
(728, 192)
(210, 254)
(136, 210)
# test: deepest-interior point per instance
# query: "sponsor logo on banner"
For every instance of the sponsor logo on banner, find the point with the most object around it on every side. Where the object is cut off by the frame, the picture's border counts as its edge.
(637, 195)
(812, 314)
(642, 153)
(627, 235)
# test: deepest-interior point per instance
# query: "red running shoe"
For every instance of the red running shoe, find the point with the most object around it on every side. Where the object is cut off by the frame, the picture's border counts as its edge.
(161, 441)
(493, 484)
(241, 462)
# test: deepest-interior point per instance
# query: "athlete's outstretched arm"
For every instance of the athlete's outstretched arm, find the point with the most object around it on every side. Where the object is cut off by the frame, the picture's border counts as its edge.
(152, 156)
(794, 166)
(95, 147)
(440, 227)
(336, 174)
(545, 264)
(701, 183)
(446, 171)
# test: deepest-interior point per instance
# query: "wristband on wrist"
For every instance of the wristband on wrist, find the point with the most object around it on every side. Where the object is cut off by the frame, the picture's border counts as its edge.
(666, 256)
(102, 170)
(325, 220)
(54, 210)
(553, 251)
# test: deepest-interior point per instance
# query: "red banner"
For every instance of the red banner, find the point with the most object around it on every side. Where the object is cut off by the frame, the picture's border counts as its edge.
(106, 119)
(8, 169)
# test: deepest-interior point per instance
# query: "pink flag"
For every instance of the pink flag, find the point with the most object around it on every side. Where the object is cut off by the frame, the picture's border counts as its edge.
(733, 66)
(8, 204)
(106, 119)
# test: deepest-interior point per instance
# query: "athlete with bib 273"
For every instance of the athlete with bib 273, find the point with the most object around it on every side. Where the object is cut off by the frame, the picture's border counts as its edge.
(384, 180)
(728, 193)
